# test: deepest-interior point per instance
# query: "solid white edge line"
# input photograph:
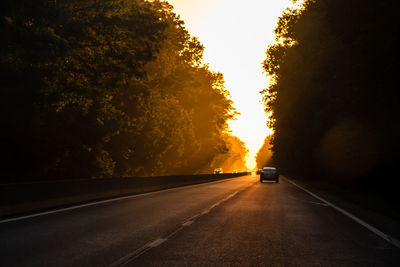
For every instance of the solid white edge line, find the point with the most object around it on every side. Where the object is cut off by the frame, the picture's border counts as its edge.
(104, 201)
(373, 229)
(157, 242)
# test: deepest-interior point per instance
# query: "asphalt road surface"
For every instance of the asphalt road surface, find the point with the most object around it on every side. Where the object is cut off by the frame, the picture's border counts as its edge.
(234, 222)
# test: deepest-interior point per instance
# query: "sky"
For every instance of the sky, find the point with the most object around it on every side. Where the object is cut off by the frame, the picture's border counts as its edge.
(236, 34)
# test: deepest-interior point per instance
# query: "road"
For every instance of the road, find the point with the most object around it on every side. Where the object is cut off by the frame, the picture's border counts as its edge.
(234, 222)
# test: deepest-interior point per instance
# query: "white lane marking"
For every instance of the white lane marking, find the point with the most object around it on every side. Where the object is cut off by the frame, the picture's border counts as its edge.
(205, 211)
(133, 255)
(124, 260)
(188, 223)
(219, 202)
(319, 203)
(373, 229)
(156, 242)
(105, 201)
(232, 195)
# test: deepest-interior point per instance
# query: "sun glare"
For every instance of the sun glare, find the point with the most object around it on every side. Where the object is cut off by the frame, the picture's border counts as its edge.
(236, 35)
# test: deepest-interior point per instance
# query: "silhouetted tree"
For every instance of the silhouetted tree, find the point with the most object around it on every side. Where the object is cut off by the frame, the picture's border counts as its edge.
(105, 88)
(333, 100)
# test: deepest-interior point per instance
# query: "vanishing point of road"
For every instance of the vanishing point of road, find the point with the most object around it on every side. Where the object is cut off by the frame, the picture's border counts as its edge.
(233, 222)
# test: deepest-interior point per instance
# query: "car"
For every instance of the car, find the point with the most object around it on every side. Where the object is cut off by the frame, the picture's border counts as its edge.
(218, 171)
(234, 171)
(269, 173)
(258, 171)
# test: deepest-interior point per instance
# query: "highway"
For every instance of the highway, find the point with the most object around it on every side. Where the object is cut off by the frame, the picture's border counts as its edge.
(233, 222)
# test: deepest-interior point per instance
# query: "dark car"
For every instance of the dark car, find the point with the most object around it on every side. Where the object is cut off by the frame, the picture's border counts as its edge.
(269, 173)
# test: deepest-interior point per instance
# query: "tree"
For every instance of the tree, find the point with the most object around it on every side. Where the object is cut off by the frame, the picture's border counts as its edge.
(234, 156)
(264, 155)
(104, 89)
(75, 57)
(332, 100)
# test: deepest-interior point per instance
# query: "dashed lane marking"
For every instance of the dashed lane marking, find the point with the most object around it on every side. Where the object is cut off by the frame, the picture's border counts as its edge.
(205, 211)
(157, 242)
(135, 254)
(188, 223)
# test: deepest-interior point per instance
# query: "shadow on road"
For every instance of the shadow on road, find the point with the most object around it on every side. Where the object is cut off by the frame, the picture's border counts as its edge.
(269, 183)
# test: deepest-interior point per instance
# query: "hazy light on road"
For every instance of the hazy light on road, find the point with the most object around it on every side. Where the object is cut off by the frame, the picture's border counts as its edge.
(236, 34)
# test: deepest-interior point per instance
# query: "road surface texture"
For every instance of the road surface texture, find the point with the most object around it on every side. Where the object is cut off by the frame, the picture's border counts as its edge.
(234, 222)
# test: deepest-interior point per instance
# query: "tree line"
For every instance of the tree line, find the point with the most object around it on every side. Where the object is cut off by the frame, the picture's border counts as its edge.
(264, 154)
(110, 88)
(333, 100)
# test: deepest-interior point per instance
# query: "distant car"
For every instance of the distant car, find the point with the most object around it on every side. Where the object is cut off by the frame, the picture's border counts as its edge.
(234, 171)
(218, 171)
(258, 171)
(269, 173)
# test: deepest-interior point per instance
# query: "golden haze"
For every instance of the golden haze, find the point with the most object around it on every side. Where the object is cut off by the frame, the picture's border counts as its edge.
(236, 35)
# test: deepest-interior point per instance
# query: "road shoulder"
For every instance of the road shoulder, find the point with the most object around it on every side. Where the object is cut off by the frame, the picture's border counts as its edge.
(386, 224)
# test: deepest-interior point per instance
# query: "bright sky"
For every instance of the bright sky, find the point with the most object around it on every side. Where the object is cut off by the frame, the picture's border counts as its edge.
(236, 34)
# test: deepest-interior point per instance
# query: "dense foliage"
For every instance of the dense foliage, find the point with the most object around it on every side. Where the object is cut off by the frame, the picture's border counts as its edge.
(264, 155)
(334, 98)
(106, 88)
(237, 155)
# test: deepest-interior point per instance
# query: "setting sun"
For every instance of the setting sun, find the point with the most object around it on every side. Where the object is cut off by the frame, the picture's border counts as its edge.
(236, 35)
